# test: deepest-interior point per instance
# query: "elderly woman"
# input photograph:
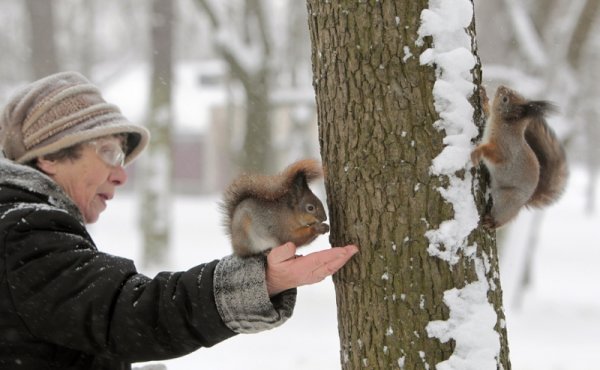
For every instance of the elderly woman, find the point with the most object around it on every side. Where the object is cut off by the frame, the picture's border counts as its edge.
(66, 305)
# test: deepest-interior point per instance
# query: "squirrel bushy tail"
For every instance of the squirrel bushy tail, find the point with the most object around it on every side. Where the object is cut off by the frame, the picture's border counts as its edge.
(267, 187)
(551, 156)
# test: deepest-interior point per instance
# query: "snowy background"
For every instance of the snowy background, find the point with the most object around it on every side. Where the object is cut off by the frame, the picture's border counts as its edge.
(557, 326)
(544, 49)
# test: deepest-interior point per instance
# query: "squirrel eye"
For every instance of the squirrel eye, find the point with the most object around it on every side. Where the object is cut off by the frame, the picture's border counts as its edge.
(505, 99)
(310, 208)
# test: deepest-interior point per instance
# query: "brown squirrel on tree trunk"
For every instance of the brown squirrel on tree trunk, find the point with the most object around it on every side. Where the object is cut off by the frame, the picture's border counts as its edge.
(525, 159)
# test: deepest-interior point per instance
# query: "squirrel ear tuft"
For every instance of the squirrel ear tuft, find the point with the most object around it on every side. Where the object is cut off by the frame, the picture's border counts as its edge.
(310, 168)
(295, 177)
(536, 108)
(299, 184)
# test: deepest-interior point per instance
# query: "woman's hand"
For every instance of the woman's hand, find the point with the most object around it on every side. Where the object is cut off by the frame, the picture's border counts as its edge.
(285, 270)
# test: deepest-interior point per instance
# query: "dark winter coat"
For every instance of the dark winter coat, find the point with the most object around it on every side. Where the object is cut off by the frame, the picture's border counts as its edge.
(65, 305)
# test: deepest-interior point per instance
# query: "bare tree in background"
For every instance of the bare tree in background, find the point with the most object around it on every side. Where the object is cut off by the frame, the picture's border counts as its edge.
(243, 40)
(156, 171)
(552, 60)
(376, 114)
(584, 59)
(79, 22)
(43, 45)
(302, 141)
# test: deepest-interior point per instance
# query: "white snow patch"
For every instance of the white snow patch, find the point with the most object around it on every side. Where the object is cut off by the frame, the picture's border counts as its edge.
(401, 361)
(472, 317)
(346, 358)
(425, 364)
(407, 54)
(451, 237)
(446, 22)
(471, 325)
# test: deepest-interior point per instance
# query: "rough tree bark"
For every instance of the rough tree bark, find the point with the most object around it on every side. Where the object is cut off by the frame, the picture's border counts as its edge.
(376, 113)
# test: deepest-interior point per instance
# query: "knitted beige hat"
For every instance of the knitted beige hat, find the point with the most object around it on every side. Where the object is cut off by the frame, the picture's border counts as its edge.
(59, 111)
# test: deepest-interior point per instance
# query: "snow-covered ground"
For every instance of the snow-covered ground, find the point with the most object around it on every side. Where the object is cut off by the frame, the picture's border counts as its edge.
(558, 325)
(556, 328)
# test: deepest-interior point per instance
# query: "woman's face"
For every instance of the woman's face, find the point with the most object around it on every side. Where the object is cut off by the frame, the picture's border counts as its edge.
(91, 179)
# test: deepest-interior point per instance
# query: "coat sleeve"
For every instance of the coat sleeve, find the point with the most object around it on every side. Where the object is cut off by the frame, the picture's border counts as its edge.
(68, 293)
(242, 299)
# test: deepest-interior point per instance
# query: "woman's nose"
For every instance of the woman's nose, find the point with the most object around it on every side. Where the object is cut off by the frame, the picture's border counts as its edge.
(118, 176)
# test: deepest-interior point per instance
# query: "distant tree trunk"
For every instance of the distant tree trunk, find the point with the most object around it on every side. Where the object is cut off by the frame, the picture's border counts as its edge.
(257, 152)
(256, 79)
(582, 31)
(592, 134)
(87, 43)
(43, 45)
(157, 164)
(585, 65)
(301, 141)
(376, 113)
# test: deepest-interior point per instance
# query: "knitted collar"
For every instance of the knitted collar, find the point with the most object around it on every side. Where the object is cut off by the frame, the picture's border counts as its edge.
(36, 182)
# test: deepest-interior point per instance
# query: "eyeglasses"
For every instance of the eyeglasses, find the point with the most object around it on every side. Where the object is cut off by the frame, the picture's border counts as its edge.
(110, 151)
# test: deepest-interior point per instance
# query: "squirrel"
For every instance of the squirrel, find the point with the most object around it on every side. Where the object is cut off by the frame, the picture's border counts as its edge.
(525, 159)
(262, 212)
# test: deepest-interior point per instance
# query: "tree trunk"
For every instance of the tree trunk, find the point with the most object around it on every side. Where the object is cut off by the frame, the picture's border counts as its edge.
(257, 153)
(376, 113)
(87, 42)
(43, 46)
(156, 177)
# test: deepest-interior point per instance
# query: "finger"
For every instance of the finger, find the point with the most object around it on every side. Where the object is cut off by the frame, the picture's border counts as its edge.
(323, 257)
(351, 248)
(315, 260)
(282, 253)
(321, 264)
(332, 266)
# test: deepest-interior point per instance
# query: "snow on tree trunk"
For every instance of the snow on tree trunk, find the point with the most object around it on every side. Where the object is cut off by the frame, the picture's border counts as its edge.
(156, 171)
(395, 137)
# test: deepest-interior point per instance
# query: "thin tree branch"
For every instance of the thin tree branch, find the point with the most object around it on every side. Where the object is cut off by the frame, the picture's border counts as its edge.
(210, 12)
(257, 7)
(582, 31)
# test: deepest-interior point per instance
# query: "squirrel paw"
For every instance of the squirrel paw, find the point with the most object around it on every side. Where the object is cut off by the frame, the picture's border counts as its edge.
(476, 157)
(488, 222)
